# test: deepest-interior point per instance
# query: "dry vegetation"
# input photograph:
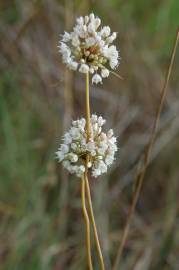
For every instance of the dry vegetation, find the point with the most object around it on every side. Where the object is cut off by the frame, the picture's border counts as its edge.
(41, 225)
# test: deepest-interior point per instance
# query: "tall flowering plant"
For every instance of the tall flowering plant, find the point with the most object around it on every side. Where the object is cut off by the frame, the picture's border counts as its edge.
(86, 148)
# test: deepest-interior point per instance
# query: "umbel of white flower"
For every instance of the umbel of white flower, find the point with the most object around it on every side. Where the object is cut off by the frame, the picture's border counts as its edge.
(100, 148)
(88, 48)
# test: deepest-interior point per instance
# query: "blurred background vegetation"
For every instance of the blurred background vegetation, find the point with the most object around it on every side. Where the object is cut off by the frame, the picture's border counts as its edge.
(41, 225)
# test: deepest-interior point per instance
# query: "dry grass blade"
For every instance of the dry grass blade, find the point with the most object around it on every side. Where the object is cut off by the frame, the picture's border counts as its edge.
(140, 176)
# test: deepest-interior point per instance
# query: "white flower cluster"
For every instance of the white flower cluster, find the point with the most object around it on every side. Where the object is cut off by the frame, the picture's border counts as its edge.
(100, 148)
(88, 48)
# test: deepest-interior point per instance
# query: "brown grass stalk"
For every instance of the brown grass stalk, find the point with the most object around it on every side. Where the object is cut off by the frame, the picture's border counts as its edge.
(140, 176)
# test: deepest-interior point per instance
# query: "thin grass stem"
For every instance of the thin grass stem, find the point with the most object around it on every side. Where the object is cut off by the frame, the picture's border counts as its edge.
(140, 176)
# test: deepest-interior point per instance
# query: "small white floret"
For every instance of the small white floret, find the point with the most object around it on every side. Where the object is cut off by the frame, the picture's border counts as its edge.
(64, 148)
(84, 68)
(104, 72)
(66, 37)
(96, 79)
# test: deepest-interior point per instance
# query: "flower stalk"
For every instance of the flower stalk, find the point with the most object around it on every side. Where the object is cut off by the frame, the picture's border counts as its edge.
(86, 218)
(88, 114)
(87, 187)
(94, 224)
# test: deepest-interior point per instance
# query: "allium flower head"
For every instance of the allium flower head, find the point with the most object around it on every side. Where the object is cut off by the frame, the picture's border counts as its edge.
(88, 48)
(100, 148)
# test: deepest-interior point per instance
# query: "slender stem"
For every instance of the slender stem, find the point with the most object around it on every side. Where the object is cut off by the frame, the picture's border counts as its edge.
(88, 241)
(93, 222)
(87, 108)
(140, 177)
(86, 176)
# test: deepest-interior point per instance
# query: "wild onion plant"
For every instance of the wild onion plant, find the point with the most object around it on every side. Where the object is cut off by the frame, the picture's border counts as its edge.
(86, 148)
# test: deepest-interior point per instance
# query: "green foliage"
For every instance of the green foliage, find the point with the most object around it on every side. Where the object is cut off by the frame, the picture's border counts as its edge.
(9, 12)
